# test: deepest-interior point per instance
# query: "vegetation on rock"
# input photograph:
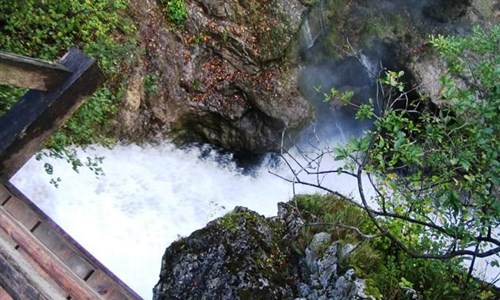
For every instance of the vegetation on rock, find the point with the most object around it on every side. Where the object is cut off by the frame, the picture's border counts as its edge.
(176, 10)
(46, 30)
(434, 170)
(388, 271)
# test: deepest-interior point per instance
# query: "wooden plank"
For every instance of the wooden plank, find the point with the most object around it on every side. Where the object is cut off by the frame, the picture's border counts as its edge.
(107, 288)
(102, 279)
(24, 264)
(4, 194)
(4, 295)
(21, 71)
(63, 250)
(41, 279)
(32, 120)
(21, 212)
(15, 283)
(101, 283)
(75, 287)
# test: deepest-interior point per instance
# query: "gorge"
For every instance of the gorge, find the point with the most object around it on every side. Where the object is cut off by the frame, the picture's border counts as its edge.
(240, 81)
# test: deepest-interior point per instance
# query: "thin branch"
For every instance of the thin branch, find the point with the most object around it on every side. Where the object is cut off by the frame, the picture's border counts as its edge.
(357, 230)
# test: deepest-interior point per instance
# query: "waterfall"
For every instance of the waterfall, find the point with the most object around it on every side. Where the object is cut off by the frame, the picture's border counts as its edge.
(149, 197)
(306, 35)
(152, 196)
(370, 65)
(313, 26)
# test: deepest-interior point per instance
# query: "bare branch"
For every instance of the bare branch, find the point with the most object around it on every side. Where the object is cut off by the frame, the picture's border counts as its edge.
(357, 230)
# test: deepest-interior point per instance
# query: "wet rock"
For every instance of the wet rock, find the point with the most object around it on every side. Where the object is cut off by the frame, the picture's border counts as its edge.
(320, 274)
(239, 256)
(246, 256)
(447, 10)
(224, 78)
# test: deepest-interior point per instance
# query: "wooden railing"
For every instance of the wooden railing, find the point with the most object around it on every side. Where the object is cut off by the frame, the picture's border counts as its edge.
(38, 259)
(67, 270)
(39, 113)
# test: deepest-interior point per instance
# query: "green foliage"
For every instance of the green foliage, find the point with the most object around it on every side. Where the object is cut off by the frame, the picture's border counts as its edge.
(9, 96)
(436, 173)
(332, 210)
(176, 10)
(46, 30)
(334, 94)
(393, 79)
(389, 272)
(151, 83)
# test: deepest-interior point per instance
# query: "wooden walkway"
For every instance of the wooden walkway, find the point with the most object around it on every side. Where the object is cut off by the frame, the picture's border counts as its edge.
(34, 246)
(38, 259)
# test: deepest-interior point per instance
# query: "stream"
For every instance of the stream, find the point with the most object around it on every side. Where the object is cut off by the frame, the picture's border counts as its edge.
(149, 197)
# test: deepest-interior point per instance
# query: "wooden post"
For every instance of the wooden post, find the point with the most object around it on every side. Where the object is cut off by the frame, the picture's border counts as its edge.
(31, 121)
(32, 73)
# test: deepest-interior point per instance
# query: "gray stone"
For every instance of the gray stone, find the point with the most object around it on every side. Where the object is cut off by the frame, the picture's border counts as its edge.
(246, 256)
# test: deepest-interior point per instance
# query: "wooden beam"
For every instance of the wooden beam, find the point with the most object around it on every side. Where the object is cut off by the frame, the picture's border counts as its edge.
(50, 264)
(4, 295)
(31, 121)
(32, 73)
(102, 280)
(15, 284)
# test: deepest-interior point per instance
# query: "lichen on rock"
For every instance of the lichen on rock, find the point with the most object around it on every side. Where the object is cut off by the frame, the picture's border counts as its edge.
(243, 255)
(239, 256)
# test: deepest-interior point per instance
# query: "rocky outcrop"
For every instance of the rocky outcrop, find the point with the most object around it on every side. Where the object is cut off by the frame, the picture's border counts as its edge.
(246, 256)
(229, 75)
(223, 77)
(391, 34)
(447, 10)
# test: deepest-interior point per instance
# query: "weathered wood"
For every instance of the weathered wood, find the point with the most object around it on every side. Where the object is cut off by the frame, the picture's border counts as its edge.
(56, 270)
(21, 212)
(33, 273)
(15, 284)
(21, 71)
(4, 295)
(102, 280)
(32, 120)
(4, 194)
(60, 247)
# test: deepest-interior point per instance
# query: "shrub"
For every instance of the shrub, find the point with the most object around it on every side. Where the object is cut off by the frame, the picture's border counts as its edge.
(176, 11)
(46, 30)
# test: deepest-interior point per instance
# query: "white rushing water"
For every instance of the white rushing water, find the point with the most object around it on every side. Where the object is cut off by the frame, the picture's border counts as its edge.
(149, 197)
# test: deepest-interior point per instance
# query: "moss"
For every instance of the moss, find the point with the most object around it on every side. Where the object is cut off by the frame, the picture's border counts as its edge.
(272, 261)
(372, 289)
(331, 209)
(232, 220)
(385, 268)
(485, 8)
(385, 27)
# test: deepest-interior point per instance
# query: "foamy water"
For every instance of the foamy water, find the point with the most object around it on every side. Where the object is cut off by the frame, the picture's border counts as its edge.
(149, 197)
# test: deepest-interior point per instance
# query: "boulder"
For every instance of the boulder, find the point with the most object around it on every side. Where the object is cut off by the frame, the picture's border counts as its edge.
(239, 256)
(246, 256)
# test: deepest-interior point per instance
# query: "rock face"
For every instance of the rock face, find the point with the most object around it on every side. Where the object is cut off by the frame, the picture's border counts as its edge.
(447, 10)
(390, 34)
(224, 77)
(229, 74)
(246, 256)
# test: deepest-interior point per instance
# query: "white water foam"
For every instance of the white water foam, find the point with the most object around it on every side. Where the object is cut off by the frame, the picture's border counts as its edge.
(149, 197)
